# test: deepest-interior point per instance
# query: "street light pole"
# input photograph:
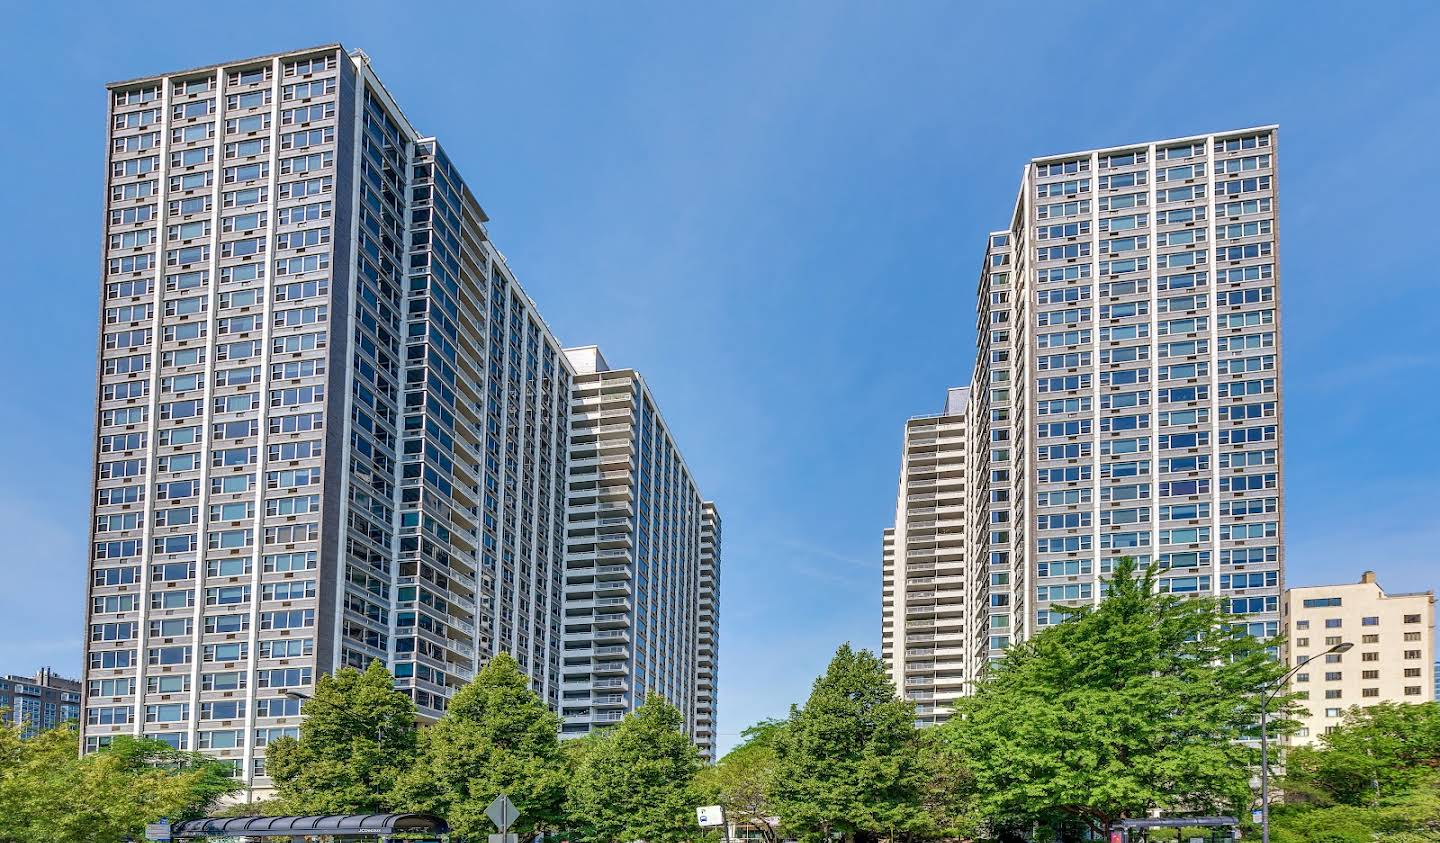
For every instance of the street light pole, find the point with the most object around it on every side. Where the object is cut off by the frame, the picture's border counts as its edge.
(1265, 699)
(307, 699)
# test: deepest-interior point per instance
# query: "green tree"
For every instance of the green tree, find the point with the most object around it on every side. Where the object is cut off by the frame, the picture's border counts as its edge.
(636, 780)
(848, 760)
(1378, 753)
(1136, 704)
(741, 782)
(496, 737)
(357, 738)
(49, 793)
(948, 790)
(1410, 817)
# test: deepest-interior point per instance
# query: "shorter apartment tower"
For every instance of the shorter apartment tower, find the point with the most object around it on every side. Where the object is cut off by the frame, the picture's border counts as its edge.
(924, 635)
(1393, 659)
(38, 702)
(707, 666)
(634, 561)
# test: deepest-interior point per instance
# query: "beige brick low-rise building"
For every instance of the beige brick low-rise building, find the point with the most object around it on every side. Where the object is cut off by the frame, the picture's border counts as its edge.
(1392, 660)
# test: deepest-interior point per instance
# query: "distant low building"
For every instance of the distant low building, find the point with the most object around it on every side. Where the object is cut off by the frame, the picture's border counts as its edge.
(40, 702)
(1393, 658)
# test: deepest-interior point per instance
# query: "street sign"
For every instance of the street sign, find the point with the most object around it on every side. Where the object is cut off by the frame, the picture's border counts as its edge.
(710, 816)
(504, 838)
(158, 831)
(502, 812)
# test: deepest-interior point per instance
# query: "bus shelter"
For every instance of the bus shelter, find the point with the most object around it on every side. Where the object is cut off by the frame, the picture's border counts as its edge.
(335, 828)
(1217, 829)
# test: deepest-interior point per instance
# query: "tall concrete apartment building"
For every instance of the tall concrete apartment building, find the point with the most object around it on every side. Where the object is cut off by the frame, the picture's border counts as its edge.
(924, 639)
(39, 702)
(1392, 659)
(707, 633)
(641, 560)
(1125, 398)
(332, 428)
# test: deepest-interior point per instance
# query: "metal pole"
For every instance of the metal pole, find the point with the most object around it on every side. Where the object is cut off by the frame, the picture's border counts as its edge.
(1278, 686)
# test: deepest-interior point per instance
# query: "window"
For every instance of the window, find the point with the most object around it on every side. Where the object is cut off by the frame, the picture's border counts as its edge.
(277, 707)
(222, 710)
(1412, 618)
(168, 713)
(169, 655)
(222, 739)
(263, 737)
(225, 681)
(234, 651)
(1332, 623)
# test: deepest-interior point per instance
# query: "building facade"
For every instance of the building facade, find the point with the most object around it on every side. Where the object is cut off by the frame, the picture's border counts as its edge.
(331, 426)
(1125, 398)
(40, 702)
(707, 651)
(924, 636)
(639, 574)
(1392, 660)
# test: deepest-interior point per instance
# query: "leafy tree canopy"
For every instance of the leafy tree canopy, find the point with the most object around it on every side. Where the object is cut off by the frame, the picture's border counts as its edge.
(496, 737)
(847, 760)
(636, 780)
(1138, 703)
(357, 737)
(1409, 817)
(49, 793)
(742, 781)
(1378, 753)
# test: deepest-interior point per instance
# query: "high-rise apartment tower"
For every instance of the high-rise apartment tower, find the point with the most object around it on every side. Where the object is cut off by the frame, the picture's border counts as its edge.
(707, 648)
(924, 639)
(641, 560)
(331, 427)
(1125, 399)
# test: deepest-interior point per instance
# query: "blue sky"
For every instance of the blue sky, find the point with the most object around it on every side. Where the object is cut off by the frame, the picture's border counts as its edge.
(776, 211)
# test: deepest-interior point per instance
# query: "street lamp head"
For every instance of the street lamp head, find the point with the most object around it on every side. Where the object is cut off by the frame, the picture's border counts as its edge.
(296, 695)
(1342, 647)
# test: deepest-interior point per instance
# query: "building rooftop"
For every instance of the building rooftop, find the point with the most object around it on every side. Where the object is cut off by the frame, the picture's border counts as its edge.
(122, 83)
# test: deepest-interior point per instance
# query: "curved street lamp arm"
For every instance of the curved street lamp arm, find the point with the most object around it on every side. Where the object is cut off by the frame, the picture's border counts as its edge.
(1279, 684)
